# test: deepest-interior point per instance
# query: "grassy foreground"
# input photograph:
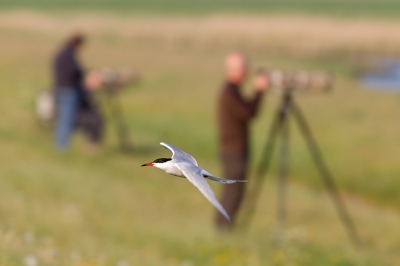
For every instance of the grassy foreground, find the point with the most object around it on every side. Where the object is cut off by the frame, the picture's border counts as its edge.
(84, 209)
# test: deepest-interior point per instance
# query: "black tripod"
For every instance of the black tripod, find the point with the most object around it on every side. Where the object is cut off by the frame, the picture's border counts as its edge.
(281, 125)
(121, 127)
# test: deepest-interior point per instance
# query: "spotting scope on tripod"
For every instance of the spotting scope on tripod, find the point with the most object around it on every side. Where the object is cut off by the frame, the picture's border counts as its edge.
(288, 85)
(113, 81)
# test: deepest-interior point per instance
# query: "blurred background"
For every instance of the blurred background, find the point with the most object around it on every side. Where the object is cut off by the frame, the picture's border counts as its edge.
(101, 208)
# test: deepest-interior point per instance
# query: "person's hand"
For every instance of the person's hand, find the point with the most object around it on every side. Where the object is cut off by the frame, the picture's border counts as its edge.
(261, 82)
(93, 80)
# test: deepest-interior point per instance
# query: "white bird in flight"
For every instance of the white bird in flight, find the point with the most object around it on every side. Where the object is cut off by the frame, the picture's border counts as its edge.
(183, 164)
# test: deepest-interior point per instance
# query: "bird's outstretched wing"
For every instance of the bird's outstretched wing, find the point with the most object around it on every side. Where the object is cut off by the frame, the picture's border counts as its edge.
(218, 179)
(193, 174)
(179, 154)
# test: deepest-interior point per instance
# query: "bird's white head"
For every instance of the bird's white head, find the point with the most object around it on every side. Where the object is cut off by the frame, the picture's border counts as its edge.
(160, 163)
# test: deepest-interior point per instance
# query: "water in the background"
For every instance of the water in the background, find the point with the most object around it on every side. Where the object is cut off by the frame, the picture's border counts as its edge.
(386, 75)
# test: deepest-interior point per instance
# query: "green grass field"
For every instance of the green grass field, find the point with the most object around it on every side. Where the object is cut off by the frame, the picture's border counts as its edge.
(81, 208)
(349, 8)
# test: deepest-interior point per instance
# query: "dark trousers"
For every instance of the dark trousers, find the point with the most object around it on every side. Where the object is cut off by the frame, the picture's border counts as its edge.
(235, 168)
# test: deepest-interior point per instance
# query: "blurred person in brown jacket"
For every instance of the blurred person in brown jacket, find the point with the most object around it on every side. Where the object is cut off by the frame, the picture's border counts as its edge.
(234, 116)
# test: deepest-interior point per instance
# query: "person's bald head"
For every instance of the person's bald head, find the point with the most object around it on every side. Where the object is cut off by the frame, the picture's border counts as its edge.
(236, 66)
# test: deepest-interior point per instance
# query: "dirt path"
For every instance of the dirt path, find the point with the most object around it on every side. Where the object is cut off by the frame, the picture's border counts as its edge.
(279, 34)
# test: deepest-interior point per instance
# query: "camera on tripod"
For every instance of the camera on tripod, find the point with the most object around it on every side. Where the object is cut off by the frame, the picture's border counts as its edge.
(286, 84)
(113, 79)
(300, 81)
(109, 79)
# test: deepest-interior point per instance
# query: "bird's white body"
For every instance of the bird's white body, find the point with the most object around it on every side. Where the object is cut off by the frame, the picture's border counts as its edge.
(170, 168)
(183, 164)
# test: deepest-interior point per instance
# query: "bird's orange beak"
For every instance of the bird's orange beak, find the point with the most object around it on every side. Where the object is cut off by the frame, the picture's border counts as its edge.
(148, 164)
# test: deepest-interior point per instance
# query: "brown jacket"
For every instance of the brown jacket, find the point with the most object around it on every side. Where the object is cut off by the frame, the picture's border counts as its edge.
(234, 115)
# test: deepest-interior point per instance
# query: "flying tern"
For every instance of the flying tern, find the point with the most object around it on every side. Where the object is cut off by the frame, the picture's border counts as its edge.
(183, 164)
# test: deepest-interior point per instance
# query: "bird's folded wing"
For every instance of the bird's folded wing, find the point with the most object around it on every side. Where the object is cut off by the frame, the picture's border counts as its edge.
(193, 174)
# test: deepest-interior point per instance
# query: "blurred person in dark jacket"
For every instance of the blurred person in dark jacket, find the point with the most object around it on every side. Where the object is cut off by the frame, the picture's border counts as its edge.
(234, 116)
(74, 106)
